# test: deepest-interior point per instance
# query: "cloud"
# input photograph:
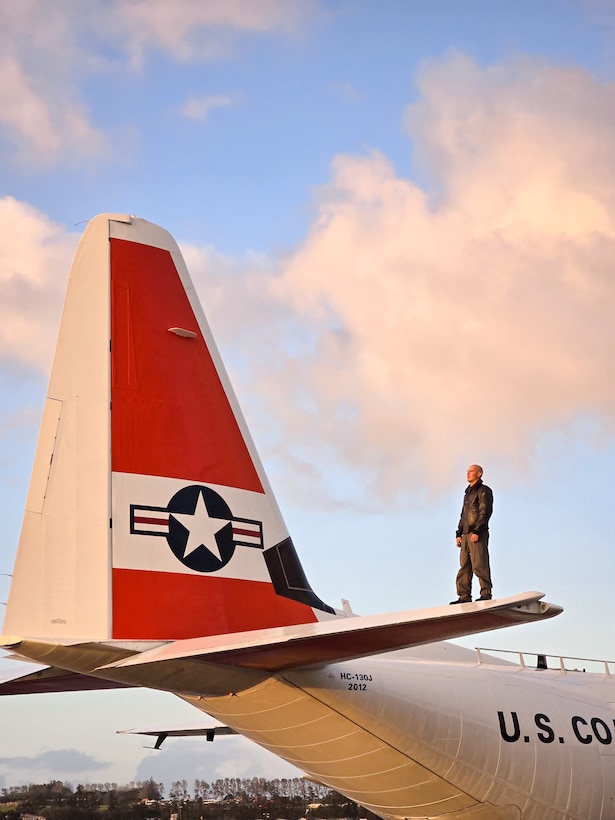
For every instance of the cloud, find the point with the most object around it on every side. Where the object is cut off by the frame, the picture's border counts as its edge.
(198, 108)
(62, 763)
(347, 91)
(204, 29)
(36, 254)
(40, 70)
(43, 67)
(453, 325)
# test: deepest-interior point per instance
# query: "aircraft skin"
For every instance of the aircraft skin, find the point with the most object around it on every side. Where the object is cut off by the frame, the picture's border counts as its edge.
(153, 553)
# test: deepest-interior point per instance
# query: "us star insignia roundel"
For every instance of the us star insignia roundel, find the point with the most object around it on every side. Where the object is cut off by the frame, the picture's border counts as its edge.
(199, 528)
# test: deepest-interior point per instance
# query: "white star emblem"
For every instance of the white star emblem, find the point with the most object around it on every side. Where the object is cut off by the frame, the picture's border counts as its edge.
(201, 529)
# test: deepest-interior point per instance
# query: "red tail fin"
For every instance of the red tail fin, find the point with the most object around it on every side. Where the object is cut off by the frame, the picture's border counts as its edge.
(150, 446)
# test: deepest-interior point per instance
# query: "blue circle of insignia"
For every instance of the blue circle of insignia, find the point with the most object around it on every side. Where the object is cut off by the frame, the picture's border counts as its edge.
(200, 557)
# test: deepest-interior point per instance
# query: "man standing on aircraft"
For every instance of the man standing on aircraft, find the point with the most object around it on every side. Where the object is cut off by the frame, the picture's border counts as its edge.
(473, 537)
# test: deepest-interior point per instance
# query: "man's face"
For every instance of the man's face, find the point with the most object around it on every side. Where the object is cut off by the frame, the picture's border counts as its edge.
(473, 474)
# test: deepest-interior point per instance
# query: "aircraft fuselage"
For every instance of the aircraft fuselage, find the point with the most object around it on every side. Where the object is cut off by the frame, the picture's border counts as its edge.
(481, 727)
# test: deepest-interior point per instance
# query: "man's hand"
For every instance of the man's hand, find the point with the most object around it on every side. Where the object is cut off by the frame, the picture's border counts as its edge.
(474, 538)
(458, 542)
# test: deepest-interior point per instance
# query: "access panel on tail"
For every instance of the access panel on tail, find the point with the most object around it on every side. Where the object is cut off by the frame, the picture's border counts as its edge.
(149, 515)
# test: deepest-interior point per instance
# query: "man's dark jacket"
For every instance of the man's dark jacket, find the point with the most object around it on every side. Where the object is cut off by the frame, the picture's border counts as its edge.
(476, 510)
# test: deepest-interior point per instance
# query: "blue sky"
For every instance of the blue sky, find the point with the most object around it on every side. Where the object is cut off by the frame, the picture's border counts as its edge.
(399, 219)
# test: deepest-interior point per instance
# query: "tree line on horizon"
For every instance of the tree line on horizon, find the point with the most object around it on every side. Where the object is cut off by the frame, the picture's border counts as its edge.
(228, 798)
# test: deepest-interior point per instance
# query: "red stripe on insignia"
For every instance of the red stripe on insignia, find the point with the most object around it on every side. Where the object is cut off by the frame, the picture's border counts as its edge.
(170, 414)
(170, 606)
(251, 533)
(138, 519)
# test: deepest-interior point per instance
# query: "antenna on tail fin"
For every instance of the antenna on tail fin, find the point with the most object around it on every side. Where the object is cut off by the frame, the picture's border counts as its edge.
(149, 515)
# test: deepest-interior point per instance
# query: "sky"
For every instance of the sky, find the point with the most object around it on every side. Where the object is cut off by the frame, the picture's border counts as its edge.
(399, 216)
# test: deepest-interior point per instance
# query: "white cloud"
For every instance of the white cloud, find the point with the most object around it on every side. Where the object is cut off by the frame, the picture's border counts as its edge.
(43, 66)
(198, 108)
(24, 112)
(454, 328)
(203, 29)
(36, 255)
(69, 762)
(347, 91)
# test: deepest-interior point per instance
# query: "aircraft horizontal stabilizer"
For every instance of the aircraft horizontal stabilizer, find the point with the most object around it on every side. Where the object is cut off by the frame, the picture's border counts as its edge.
(48, 679)
(208, 732)
(331, 641)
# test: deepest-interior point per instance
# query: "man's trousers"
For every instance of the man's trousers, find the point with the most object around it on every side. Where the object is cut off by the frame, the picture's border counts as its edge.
(474, 559)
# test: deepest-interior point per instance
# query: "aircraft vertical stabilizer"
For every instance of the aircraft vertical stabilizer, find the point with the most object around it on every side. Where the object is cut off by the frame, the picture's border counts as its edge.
(149, 515)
